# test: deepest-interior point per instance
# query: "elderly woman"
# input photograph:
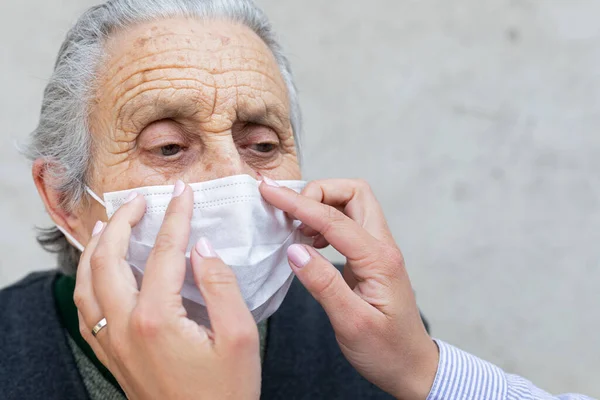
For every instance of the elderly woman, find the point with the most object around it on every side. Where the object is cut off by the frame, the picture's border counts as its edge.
(183, 114)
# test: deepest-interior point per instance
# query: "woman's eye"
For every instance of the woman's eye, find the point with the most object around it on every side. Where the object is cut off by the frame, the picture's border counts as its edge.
(170, 149)
(264, 147)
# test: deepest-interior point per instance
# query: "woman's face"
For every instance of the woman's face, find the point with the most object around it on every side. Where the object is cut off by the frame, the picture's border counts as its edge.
(191, 100)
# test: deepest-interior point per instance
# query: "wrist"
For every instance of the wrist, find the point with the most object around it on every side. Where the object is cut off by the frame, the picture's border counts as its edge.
(420, 373)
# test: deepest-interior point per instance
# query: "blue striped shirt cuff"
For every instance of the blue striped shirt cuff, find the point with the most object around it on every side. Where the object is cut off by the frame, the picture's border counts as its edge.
(461, 375)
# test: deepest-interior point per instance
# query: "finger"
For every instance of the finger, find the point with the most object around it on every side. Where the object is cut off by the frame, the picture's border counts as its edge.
(326, 284)
(344, 234)
(349, 277)
(320, 242)
(356, 199)
(83, 295)
(229, 315)
(114, 284)
(165, 269)
(308, 231)
(92, 341)
(98, 348)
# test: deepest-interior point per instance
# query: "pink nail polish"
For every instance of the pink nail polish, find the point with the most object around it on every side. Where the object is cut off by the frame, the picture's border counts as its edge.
(131, 196)
(298, 255)
(97, 228)
(205, 249)
(179, 188)
(270, 182)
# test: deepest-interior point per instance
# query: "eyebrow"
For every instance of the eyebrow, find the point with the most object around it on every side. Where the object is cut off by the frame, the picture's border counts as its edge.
(158, 107)
(150, 105)
(272, 114)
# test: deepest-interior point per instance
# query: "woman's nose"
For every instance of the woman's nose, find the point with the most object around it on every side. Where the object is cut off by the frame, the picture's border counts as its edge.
(219, 161)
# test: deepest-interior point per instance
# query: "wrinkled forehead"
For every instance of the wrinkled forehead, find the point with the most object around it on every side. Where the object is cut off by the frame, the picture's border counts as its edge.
(149, 62)
(180, 34)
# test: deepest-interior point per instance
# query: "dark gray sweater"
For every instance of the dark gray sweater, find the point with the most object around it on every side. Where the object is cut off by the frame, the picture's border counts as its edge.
(302, 359)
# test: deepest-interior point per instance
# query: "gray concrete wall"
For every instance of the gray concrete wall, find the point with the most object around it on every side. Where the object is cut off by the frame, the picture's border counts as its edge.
(476, 121)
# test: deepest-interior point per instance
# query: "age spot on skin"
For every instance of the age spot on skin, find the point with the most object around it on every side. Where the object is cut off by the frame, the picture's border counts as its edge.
(141, 42)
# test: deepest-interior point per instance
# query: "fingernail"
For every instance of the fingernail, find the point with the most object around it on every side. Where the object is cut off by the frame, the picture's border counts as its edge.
(97, 228)
(298, 255)
(179, 188)
(131, 196)
(270, 182)
(205, 249)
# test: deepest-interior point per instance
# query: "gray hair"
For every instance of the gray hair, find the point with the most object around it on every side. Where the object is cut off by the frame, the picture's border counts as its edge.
(62, 137)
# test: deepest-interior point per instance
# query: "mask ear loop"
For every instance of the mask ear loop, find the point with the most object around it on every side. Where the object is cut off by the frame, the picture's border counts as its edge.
(95, 196)
(70, 237)
(73, 241)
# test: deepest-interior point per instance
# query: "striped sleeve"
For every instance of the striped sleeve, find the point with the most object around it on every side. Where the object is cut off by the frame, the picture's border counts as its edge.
(461, 375)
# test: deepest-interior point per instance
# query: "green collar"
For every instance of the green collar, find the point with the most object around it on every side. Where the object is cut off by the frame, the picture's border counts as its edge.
(64, 286)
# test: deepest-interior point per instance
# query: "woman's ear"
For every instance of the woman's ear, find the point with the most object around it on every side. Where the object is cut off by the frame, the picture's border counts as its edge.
(52, 198)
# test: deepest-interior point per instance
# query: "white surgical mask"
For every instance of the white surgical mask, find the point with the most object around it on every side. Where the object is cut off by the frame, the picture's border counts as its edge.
(247, 233)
